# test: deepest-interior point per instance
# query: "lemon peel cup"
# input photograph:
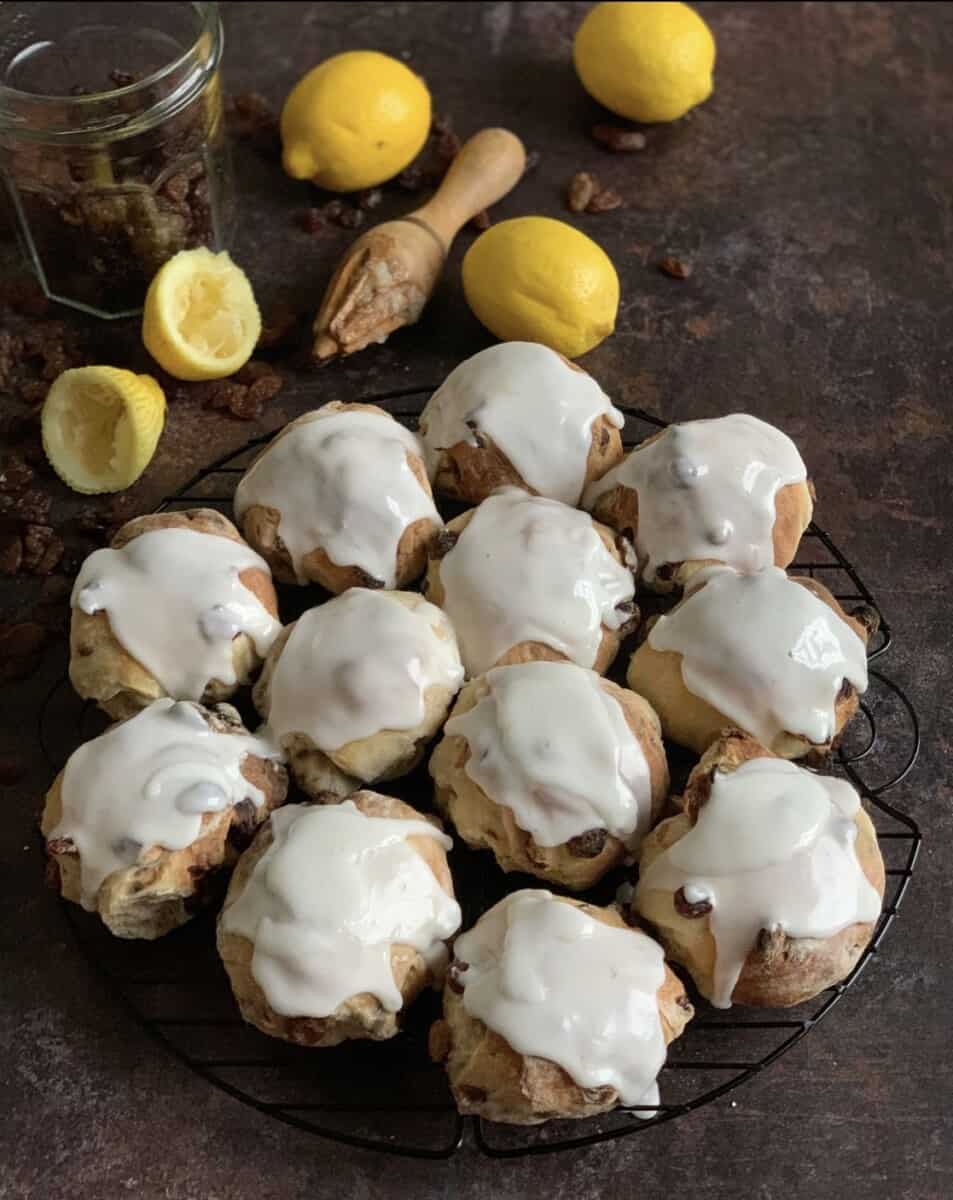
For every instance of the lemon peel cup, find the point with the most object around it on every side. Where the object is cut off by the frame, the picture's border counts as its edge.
(101, 426)
(200, 319)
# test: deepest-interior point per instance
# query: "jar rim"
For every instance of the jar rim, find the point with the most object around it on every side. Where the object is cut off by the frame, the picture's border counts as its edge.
(209, 29)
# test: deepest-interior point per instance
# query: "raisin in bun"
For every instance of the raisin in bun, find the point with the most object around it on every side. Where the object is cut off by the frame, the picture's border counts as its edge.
(558, 772)
(733, 490)
(773, 655)
(144, 821)
(768, 884)
(580, 1025)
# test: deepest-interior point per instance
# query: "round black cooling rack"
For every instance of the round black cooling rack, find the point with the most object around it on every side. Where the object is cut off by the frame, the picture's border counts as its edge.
(388, 1096)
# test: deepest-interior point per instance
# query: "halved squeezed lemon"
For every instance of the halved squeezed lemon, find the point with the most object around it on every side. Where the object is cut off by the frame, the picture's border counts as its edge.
(101, 426)
(200, 320)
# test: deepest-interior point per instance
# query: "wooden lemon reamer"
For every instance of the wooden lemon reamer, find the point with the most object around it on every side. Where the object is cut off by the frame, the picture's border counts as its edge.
(387, 276)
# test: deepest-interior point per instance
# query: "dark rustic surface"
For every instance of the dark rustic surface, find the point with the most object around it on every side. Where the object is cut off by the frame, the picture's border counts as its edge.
(814, 197)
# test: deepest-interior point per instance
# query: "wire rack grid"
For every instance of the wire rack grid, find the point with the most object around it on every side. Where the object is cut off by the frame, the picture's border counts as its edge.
(388, 1097)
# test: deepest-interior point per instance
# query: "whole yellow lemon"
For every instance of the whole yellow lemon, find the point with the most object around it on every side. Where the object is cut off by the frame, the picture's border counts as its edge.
(357, 119)
(647, 62)
(533, 279)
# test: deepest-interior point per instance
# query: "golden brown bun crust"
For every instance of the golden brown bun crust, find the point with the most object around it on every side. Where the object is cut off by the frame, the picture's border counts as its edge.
(491, 1079)
(793, 507)
(529, 651)
(386, 754)
(470, 473)
(693, 722)
(483, 823)
(100, 669)
(361, 1016)
(165, 888)
(260, 526)
(780, 970)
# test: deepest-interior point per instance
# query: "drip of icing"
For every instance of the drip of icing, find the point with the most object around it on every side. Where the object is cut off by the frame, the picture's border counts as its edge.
(774, 847)
(329, 898)
(764, 651)
(341, 482)
(510, 392)
(706, 490)
(527, 569)
(360, 664)
(175, 602)
(551, 744)
(147, 782)
(557, 984)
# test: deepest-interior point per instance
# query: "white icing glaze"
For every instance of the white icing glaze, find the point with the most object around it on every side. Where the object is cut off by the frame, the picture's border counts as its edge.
(706, 490)
(341, 482)
(175, 602)
(147, 782)
(764, 651)
(557, 984)
(551, 744)
(359, 664)
(329, 898)
(529, 569)
(537, 409)
(774, 847)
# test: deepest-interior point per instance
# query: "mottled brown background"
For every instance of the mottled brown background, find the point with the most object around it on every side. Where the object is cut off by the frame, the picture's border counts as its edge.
(814, 193)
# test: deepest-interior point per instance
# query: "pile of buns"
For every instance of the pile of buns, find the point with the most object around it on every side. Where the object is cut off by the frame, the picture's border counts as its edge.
(760, 884)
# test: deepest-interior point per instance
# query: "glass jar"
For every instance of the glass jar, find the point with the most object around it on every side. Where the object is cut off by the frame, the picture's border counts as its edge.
(113, 154)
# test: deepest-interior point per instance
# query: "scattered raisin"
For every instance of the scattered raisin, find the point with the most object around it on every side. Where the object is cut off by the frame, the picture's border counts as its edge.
(15, 476)
(619, 140)
(582, 188)
(441, 123)
(411, 179)
(252, 371)
(448, 145)
(265, 389)
(351, 218)
(370, 198)
(11, 552)
(42, 549)
(675, 268)
(34, 507)
(234, 398)
(94, 524)
(604, 201)
(309, 220)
